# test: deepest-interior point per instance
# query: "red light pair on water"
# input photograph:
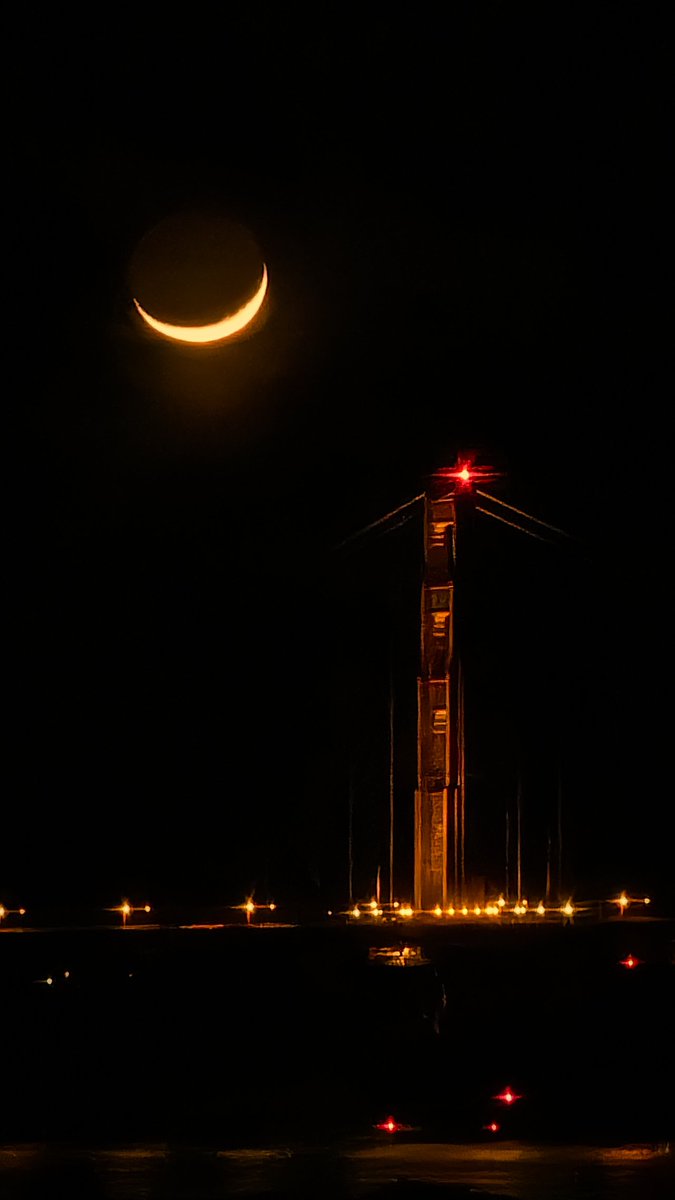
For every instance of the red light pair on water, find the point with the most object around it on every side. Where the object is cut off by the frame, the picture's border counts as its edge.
(392, 1126)
(507, 1097)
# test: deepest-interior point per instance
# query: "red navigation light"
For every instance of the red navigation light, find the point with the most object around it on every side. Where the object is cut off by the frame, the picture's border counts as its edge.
(508, 1096)
(391, 1126)
(493, 1127)
(630, 961)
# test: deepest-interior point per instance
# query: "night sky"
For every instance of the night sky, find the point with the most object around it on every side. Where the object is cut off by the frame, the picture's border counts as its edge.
(466, 240)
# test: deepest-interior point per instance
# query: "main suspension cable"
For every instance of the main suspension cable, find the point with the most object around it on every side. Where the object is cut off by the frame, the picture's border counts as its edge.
(513, 525)
(521, 512)
(380, 521)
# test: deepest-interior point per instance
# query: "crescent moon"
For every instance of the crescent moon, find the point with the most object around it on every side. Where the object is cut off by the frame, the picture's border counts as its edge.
(217, 331)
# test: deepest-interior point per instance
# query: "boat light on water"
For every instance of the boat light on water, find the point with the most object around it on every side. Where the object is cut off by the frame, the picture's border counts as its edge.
(390, 1125)
(508, 1096)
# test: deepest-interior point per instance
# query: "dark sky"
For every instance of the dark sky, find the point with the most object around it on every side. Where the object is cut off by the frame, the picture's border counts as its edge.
(466, 238)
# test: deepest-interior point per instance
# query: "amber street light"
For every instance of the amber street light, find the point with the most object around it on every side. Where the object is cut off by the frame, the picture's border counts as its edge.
(7, 912)
(250, 907)
(125, 909)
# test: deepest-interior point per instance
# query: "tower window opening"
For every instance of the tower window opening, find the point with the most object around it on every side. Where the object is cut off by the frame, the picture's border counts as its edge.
(438, 529)
(439, 720)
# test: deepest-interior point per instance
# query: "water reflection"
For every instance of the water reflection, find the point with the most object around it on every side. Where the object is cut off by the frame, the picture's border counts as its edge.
(370, 1169)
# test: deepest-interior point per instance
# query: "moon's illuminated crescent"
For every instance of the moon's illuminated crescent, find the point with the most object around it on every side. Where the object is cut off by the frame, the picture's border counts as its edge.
(217, 331)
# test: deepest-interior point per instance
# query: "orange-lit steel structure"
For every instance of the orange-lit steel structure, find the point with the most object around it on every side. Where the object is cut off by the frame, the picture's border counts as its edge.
(440, 796)
(438, 782)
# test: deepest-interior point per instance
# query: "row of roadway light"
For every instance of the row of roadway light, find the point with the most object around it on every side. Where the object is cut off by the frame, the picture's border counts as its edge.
(496, 908)
(374, 909)
(126, 910)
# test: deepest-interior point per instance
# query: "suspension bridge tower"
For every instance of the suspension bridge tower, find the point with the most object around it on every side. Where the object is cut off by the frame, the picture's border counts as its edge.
(440, 798)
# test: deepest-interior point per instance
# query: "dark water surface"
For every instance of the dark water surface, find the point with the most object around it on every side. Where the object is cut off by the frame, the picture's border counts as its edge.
(515, 1169)
(206, 1063)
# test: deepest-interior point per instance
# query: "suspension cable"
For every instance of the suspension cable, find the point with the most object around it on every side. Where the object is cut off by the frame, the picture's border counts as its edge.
(380, 521)
(521, 512)
(513, 525)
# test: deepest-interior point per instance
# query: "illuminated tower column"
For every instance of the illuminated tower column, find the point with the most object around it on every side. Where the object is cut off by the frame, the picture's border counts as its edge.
(437, 800)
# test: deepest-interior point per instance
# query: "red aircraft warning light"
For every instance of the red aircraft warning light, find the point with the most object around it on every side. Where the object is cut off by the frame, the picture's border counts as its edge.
(630, 962)
(465, 474)
(493, 1127)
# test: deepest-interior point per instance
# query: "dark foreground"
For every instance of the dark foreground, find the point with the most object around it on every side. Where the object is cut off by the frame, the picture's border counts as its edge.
(352, 1170)
(205, 1063)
